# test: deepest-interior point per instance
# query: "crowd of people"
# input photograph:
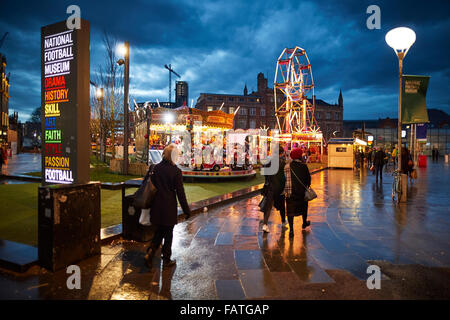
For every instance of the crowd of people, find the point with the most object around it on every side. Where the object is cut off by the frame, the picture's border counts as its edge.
(377, 158)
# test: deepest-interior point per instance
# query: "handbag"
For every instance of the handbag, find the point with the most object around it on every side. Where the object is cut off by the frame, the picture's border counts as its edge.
(414, 174)
(310, 194)
(144, 219)
(144, 196)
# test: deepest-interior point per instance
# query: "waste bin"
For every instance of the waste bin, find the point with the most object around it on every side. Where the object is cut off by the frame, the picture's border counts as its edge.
(131, 228)
(69, 223)
(422, 161)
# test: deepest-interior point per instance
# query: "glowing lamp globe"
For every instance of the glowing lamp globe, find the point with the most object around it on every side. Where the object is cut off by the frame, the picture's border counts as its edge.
(99, 93)
(400, 39)
(168, 117)
(122, 50)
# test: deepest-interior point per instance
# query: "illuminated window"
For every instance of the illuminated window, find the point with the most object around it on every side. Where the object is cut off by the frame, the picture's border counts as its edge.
(231, 110)
(210, 108)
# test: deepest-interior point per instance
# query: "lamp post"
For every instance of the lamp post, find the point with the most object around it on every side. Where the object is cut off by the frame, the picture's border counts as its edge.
(125, 51)
(400, 39)
(99, 94)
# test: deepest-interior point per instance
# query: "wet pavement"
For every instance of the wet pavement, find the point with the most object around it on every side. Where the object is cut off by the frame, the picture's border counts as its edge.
(222, 253)
(22, 163)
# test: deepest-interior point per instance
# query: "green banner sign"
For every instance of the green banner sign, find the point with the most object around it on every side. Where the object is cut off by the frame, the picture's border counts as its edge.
(414, 91)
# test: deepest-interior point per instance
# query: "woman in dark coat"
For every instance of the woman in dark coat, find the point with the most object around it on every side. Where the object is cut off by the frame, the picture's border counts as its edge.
(168, 180)
(273, 189)
(295, 191)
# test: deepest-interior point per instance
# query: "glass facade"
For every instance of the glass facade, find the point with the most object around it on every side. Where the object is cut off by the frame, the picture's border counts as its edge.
(436, 137)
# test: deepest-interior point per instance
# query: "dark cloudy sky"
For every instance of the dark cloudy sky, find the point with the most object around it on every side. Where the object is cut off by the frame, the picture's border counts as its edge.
(218, 46)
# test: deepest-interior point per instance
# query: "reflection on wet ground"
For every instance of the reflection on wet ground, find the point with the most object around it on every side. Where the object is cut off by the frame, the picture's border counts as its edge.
(22, 163)
(222, 253)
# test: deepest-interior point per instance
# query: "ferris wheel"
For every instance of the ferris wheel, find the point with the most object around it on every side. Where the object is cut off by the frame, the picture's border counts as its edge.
(293, 84)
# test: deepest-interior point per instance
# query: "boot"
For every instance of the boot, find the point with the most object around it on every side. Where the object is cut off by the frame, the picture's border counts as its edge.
(167, 263)
(306, 224)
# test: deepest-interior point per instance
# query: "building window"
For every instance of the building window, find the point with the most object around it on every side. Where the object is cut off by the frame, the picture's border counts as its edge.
(252, 111)
(220, 98)
(210, 108)
(317, 115)
(263, 112)
(241, 99)
(230, 99)
(252, 124)
(243, 111)
(271, 99)
(252, 100)
(209, 98)
(242, 124)
(231, 110)
(328, 115)
(336, 116)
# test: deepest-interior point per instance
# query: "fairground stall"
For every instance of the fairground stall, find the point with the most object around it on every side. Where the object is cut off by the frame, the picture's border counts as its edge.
(341, 152)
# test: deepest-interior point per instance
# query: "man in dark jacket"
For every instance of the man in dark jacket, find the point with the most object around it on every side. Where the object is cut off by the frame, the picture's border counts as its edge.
(378, 162)
(168, 180)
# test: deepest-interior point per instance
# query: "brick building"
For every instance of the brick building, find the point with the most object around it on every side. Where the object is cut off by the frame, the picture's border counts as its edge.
(4, 101)
(257, 108)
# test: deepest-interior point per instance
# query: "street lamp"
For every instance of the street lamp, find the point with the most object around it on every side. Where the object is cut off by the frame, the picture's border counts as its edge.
(124, 51)
(99, 94)
(400, 39)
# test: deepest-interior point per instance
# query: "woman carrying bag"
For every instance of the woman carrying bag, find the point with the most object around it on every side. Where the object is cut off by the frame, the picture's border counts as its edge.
(168, 181)
(298, 180)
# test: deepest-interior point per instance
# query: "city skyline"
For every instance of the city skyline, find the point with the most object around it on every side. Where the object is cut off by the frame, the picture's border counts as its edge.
(218, 49)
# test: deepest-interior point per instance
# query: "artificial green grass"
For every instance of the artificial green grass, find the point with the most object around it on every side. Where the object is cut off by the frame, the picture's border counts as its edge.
(18, 208)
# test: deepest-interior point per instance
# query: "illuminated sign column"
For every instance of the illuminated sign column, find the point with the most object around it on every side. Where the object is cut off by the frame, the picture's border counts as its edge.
(65, 72)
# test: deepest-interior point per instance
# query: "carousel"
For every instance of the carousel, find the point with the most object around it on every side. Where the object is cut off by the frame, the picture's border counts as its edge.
(191, 130)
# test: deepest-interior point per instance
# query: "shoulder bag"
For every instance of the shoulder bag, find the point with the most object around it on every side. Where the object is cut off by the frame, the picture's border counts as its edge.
(144, 196)
(310, 194)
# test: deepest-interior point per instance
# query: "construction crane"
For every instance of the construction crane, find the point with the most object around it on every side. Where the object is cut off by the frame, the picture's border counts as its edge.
(3, 39)
(170, 79)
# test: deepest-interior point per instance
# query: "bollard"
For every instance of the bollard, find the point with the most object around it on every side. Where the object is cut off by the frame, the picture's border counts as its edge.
(446, 158)
(404, 181)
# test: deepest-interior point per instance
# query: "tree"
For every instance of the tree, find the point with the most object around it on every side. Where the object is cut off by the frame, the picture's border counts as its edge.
(36, 115)
(109, 77)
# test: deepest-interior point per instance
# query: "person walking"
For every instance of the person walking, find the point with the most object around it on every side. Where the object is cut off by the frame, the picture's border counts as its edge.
(433, 154)
(273, 189)
(407, 162)
(297, 178)
(168, 180)
(395, 155)
(379, 163)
